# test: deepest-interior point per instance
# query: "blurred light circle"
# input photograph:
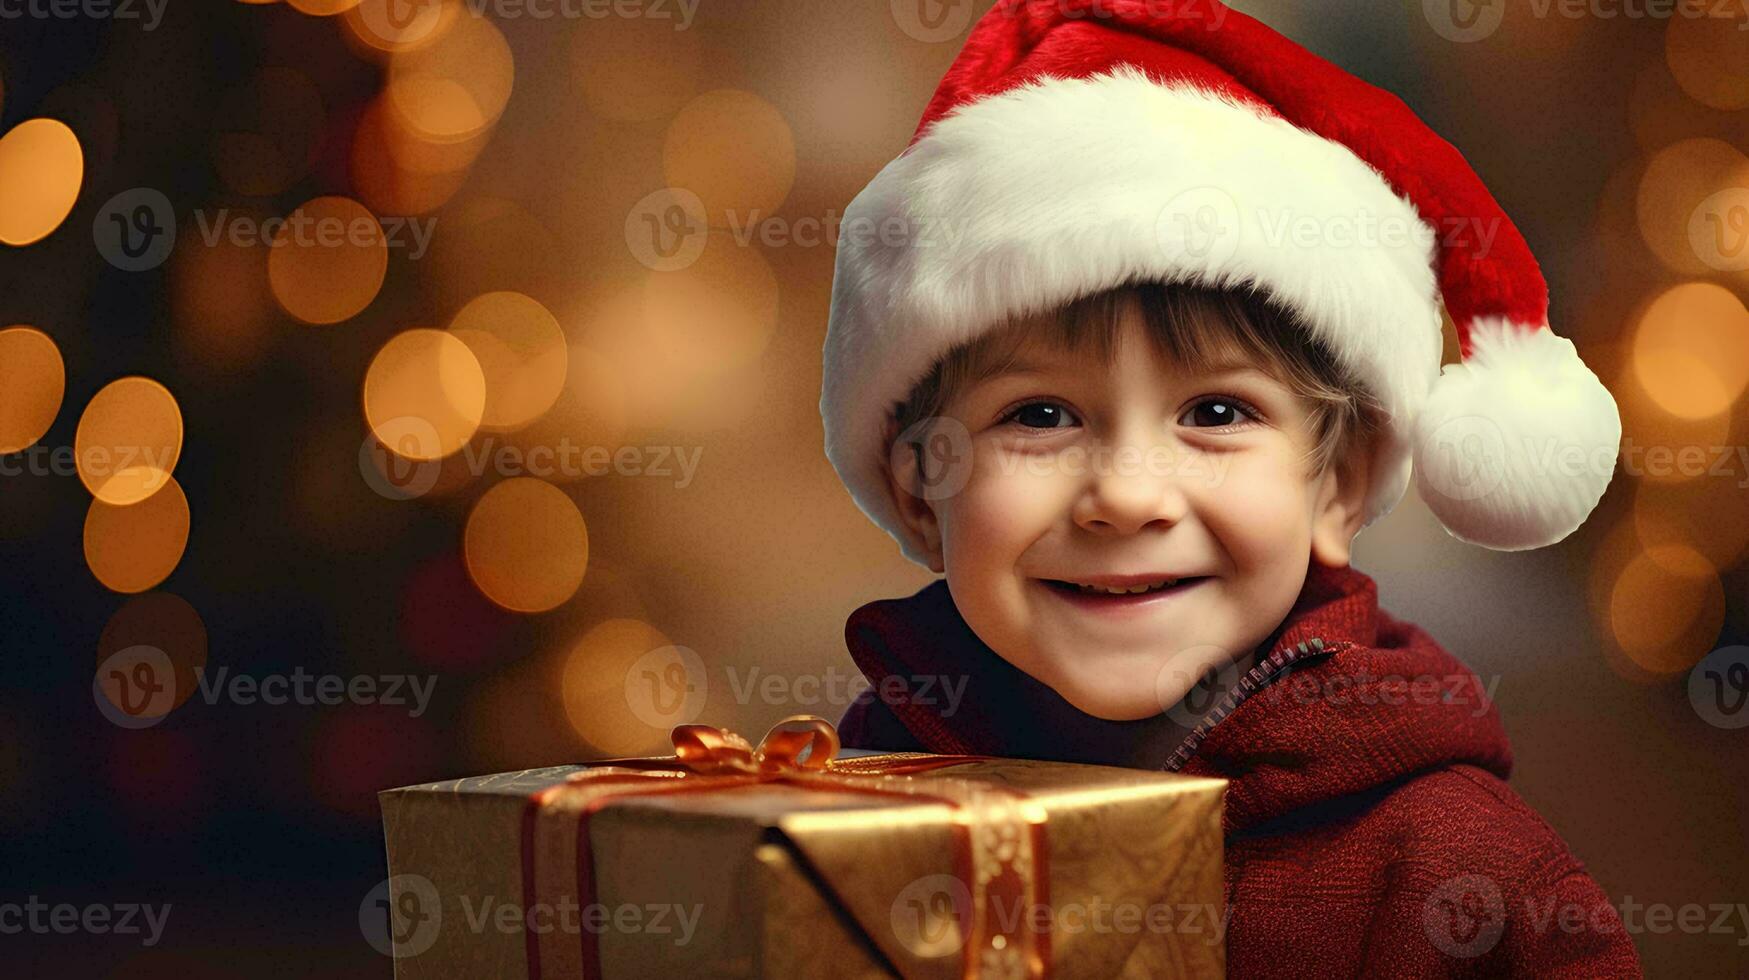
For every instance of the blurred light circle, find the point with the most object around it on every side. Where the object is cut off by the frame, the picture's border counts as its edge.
(224, 309)
(128, 441)
(457, 85)
(377, 166)
(589, 416)
(1666, 608)
(1709, 55)
(717, 313)
(1718, 230)
(428, 375)
(133, 548)
(526, 545)
(1677, 181)
(32, 381)
(41, 169)
(1660, 447)
(328, 260)
(522, 353)
(594, 686)
(735, 151)
(1691, 350)
(636, 69)
(267, 132)
(385, 25)
(322, 8)
(167, 622)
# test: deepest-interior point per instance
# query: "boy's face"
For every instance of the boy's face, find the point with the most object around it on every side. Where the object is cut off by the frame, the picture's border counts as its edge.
(1085, 477)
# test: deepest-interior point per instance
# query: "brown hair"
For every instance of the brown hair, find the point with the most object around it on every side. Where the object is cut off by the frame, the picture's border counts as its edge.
(1190, 324)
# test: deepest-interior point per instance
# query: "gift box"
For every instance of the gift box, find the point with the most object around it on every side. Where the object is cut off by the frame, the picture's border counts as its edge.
(796, 859)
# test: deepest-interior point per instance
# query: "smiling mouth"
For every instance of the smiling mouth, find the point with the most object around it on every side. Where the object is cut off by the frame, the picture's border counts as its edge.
(1138, 590)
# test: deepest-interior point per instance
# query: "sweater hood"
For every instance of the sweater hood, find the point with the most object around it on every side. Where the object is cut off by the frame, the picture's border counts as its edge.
(1342, 699)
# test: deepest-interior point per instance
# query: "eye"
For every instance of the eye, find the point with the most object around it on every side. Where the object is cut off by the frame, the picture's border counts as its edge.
(1040, 415)
(1217, 412)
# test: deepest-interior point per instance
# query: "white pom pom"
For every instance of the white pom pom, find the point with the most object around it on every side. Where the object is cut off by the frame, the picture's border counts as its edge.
(1516, 445)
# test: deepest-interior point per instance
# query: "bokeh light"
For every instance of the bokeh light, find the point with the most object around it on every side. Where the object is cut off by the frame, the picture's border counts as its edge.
(1709, 56)
(522, 354)
(1691, 350)
(1666, 608)
(322, 8)
(1704, 515)
(735, 151)
(267, 133)
(386, 183)
(715, 315)
(167, 622)
(128, 441)
(32, 381)
(457, 85)
(41, 169)
(1654, 442)
(384, 27)
(328, 260)
(526, 545)
(594, 686)
(424, 394)
(1678, 179)
(132, 548)
(636, 69)
(590, 412)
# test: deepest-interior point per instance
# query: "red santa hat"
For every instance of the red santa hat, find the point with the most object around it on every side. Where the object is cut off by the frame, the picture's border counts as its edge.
(1076, 145)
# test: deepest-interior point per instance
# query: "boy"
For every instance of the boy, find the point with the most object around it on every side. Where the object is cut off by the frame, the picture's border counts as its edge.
(1137, 432)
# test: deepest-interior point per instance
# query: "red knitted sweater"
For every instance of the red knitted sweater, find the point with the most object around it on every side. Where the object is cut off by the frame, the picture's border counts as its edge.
(1369, 826)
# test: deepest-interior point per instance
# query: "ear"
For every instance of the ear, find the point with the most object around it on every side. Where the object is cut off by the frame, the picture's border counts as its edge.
(1340, 508)
(905, 483)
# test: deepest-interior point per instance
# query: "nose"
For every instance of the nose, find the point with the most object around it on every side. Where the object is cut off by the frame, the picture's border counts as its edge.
(1125, 494)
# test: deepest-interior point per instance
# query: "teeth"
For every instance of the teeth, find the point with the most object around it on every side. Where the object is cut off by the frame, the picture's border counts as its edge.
(1127, 590)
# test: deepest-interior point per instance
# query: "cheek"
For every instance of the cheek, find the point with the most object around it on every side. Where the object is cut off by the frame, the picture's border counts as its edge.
(1260, 511)
(1002, 509)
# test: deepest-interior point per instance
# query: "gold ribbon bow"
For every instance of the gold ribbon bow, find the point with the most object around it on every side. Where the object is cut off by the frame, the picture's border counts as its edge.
(705, 749)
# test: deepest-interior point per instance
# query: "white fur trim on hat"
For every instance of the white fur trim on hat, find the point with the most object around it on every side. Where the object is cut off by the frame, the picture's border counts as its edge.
(1515, 445)
(1027, 200)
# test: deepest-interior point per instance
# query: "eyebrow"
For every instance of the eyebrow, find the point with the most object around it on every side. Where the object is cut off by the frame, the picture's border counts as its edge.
(1020, 365)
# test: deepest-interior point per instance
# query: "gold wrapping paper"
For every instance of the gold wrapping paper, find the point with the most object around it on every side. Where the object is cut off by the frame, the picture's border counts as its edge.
(769, 878)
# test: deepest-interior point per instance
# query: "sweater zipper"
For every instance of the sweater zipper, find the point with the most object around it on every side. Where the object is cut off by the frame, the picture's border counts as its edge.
(1255, 679)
